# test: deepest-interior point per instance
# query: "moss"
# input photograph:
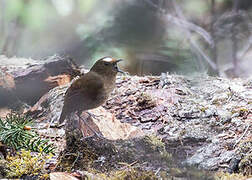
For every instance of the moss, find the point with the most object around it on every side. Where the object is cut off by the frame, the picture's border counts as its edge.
(45, 176)
(3, 168)
(203, 109)
(132, 173)
(245, 164)
(79, 154)
(246, 161)
(227, 176)
(244, 150)
(156, 144)
(241, 111)
(127, 172)
(24, 163)
(88, 153)
(145, 101)
(106, 156)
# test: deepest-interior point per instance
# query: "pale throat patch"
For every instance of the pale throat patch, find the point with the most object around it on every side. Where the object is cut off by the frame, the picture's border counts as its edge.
(108, 59)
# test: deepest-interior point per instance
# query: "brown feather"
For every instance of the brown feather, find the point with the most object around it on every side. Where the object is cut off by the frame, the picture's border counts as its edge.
(90, 90)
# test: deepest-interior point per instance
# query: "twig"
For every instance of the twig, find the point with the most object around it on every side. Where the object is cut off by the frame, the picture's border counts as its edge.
(191, 27)
(242, 136)
(188, 26)
(156, 173)
(78, 155)
(184, 23)
(212, 31)
(245, 49)
(128, 165)
(193, 43)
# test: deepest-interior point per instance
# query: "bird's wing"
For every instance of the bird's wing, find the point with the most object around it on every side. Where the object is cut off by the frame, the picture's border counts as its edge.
(87, 87)
(90, 83)
(73, 89)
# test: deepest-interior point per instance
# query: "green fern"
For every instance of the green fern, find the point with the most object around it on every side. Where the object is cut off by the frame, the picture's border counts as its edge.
(15, 132)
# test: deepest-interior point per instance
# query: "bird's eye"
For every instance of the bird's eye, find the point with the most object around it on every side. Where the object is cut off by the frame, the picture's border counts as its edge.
(106, 63)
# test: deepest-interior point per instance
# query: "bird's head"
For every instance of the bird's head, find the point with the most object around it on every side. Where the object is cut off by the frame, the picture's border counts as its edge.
(106, 66)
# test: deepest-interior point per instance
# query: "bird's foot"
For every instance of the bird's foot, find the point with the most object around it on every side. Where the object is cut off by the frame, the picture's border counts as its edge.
(94, 116)
(97, 134)
(94, 136)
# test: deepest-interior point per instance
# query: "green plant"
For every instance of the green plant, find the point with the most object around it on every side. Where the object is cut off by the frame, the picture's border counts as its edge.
(16, 131)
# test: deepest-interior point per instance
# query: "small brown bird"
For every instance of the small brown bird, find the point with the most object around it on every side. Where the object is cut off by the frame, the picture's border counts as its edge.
(92, 89)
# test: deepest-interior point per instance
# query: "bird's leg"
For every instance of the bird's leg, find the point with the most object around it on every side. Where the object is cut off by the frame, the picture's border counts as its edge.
(96, 133)
(84, 137)
(93, 115)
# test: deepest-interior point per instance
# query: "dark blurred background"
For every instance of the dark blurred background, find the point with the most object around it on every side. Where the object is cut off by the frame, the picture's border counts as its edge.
(154, 36)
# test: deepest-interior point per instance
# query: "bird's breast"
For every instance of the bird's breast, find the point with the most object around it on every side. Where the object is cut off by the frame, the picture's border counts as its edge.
(98, 96)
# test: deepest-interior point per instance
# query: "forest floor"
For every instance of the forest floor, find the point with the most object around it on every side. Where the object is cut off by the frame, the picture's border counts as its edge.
(167, 126)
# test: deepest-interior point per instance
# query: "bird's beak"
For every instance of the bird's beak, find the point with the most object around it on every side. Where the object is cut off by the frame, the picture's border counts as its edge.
(117, 68)
(118, 60)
